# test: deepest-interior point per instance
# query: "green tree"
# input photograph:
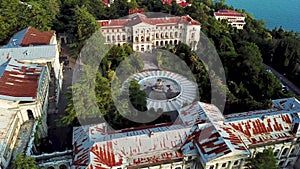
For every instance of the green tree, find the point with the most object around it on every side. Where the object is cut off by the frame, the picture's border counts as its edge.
(138, 97)
(25, 162)
(86, 24)
(87, 104)
(264, 160)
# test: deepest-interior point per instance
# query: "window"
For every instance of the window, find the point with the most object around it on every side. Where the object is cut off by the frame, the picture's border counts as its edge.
(193, 34)
(224, 164)
(236, 162)
(178, 168)
(276, 152)
(30, 114)
(124, 38)
(285, 151)
(211, 167)
(293, 150)
(281, 163)
(62, 166)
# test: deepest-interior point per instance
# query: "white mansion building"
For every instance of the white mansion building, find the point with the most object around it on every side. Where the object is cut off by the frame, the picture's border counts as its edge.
(235, 19)
(202, 138)
(144, 33)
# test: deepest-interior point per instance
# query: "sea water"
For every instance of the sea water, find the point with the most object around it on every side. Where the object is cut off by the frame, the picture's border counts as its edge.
(275, 13)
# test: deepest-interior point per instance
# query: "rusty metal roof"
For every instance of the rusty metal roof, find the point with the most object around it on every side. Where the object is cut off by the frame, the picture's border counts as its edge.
(202, 130)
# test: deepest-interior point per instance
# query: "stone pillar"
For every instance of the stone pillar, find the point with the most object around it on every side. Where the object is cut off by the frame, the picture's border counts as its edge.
(242, 163)
(230, 164)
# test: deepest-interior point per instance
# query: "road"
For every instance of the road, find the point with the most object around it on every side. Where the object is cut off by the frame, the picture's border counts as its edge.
(292, 87)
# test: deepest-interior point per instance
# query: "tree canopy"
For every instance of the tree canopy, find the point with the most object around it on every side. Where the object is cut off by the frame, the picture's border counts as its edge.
(25, 162)
(263, 160)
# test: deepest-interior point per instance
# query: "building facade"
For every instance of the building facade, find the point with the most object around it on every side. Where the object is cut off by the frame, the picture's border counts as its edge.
(202, 139)
(23, 97)
(144, 33)
(27, 62)
(233, 18)
(33, 46)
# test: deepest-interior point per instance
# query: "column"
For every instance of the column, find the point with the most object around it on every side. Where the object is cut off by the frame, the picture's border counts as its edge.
(230, 164)
(218, 166)
(241, 163)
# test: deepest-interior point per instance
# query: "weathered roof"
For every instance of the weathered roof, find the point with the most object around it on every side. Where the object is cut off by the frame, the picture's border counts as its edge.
(202, 130)
(133, 147)
(43, 52)
(200, 112)
(214, 141)
(266, 126)
(30, 36)
(19, 81)
(137, 18)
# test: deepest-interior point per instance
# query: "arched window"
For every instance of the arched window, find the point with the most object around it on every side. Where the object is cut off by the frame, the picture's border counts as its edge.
(107, 38)
(30, 114)
(166, 35)
(63, 166)
(171, 43)
(157, 35)
(281, 163)
(236, 162)
(157, 43)
(176, 34)
(113, 37)
(124, 37)
(162, 35)
(136, 39)
(161, 43)
(118, 37)
(51, 167)
(285, 151)
(293, 151)
(175, 42)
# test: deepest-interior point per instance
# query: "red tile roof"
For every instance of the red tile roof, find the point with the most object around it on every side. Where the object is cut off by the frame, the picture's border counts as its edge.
(36, 37)
(139, 18)
(181, 3)
(228, 13)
